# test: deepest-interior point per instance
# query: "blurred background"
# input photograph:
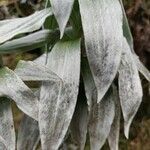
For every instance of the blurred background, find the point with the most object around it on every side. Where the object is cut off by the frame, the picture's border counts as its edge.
(138, 13)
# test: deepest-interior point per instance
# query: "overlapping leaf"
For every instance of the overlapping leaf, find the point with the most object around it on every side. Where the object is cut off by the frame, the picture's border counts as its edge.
(101, 114)
(128, 35)
(7, 132)
(13, 87)
(130, 90)
(58, 99)
(142, 68)
(102, 40)
(31, 71)
(79, 122)
(62, 10)
(12, 27)
(113, 138)
(101, 119)
(27, 43)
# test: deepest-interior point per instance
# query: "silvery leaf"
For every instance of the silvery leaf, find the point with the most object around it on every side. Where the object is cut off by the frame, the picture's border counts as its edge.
(113, 138)
(130, 89)
(62, 10)
(26, 43)
(7, 131)
(89, 85)
(3, 144)
(28, 134)
(126, 28)
(102, 40)
(101, 118)
(31, 71)
(58, 99)
(128, 35)
(12, 27)
(79, 122)
(144, 71)
(13, 87)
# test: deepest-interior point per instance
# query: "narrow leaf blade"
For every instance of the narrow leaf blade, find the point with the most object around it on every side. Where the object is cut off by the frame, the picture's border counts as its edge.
(79, 123)
(13, 87)
(102, 40)
(26, 43)
(58, 99)
(13, 27)
(7, 131)
(31, 71)
(28, 134)
(130, 89)
(101, 119)
(62, 11)
(113, 138)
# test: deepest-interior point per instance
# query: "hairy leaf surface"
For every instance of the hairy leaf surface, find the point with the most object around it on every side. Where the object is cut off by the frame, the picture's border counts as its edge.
(12, 27)
(27, 43)
(7, 131)
(28, 134)
(102, 40)
(89, 85)
(58, 99)
(62, 10)
(128, 35)
(13, 87)
(31, 71)
(113, 138)
(130, 90)
(79, 122)
(101, 114)
(101, 119)
(144, 71)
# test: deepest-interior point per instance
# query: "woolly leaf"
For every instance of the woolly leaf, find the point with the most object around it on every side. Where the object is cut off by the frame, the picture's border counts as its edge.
(130, 90)
(89, 85)
(101, 119)
(58, 99)
(62, 10)
(28, 134)
(13, 87)
(30, 71)
(102, 40)
(79, 122)
(101, 114)
(12, 27)
(7, 132)
(27, 43)
(128, 35)
(113, 138)
(144, 71)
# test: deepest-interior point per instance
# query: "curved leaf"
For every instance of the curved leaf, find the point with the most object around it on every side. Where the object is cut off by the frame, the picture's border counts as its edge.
(12, 27)
(128, 35)
(62, 10)
(58, 99)
(130, 90)
(113, 138)
(13, 87)
(30, 71)
(7, 131)
(26, 43)
(101, 118)
(102, 40)
(79, 123)
(89, 85)
(144, 71)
